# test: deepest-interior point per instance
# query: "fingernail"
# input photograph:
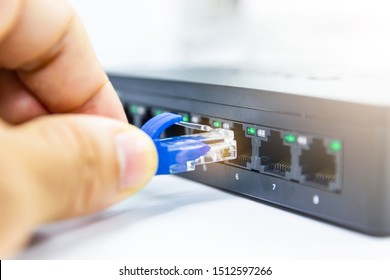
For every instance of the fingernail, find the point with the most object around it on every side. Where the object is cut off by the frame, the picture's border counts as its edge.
(137, 158)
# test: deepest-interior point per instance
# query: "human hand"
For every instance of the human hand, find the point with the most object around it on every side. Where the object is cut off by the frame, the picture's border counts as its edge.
(55, 165)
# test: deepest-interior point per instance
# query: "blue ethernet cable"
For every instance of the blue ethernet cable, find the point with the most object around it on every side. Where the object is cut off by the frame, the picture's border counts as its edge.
(183, 153)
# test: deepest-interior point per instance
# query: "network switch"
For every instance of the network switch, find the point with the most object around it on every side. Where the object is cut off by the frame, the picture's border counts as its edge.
(324, 158)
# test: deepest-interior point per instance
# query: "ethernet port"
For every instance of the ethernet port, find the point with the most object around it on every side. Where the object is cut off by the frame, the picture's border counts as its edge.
(205, 121)
(318, 165)
(244, 147)
(275, 155)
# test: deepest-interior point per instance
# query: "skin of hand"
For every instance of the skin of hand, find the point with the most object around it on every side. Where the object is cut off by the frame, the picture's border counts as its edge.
(66, 147)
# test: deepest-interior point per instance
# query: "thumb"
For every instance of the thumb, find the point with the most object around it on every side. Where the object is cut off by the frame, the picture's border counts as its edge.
(63, 166)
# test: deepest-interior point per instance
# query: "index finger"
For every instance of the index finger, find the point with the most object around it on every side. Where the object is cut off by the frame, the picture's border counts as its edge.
(45, 42)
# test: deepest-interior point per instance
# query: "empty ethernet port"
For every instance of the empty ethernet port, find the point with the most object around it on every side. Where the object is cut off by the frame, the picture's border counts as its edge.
(318, 165)
(244, 147)
(275, 155)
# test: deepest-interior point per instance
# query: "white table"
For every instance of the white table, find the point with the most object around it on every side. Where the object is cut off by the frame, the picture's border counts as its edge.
(174, 218)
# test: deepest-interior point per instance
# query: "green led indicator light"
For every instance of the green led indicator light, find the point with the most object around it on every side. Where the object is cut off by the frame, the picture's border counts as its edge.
(158, 112)
(335, 145)
(251, 131)
(217, 124)
(290, 138)
(134, 109)
(186, 118)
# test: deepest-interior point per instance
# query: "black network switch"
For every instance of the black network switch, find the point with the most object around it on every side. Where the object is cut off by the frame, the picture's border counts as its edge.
(326, 158)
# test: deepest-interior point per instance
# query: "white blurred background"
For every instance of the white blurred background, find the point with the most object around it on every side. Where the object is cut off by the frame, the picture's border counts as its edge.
(308, 37)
